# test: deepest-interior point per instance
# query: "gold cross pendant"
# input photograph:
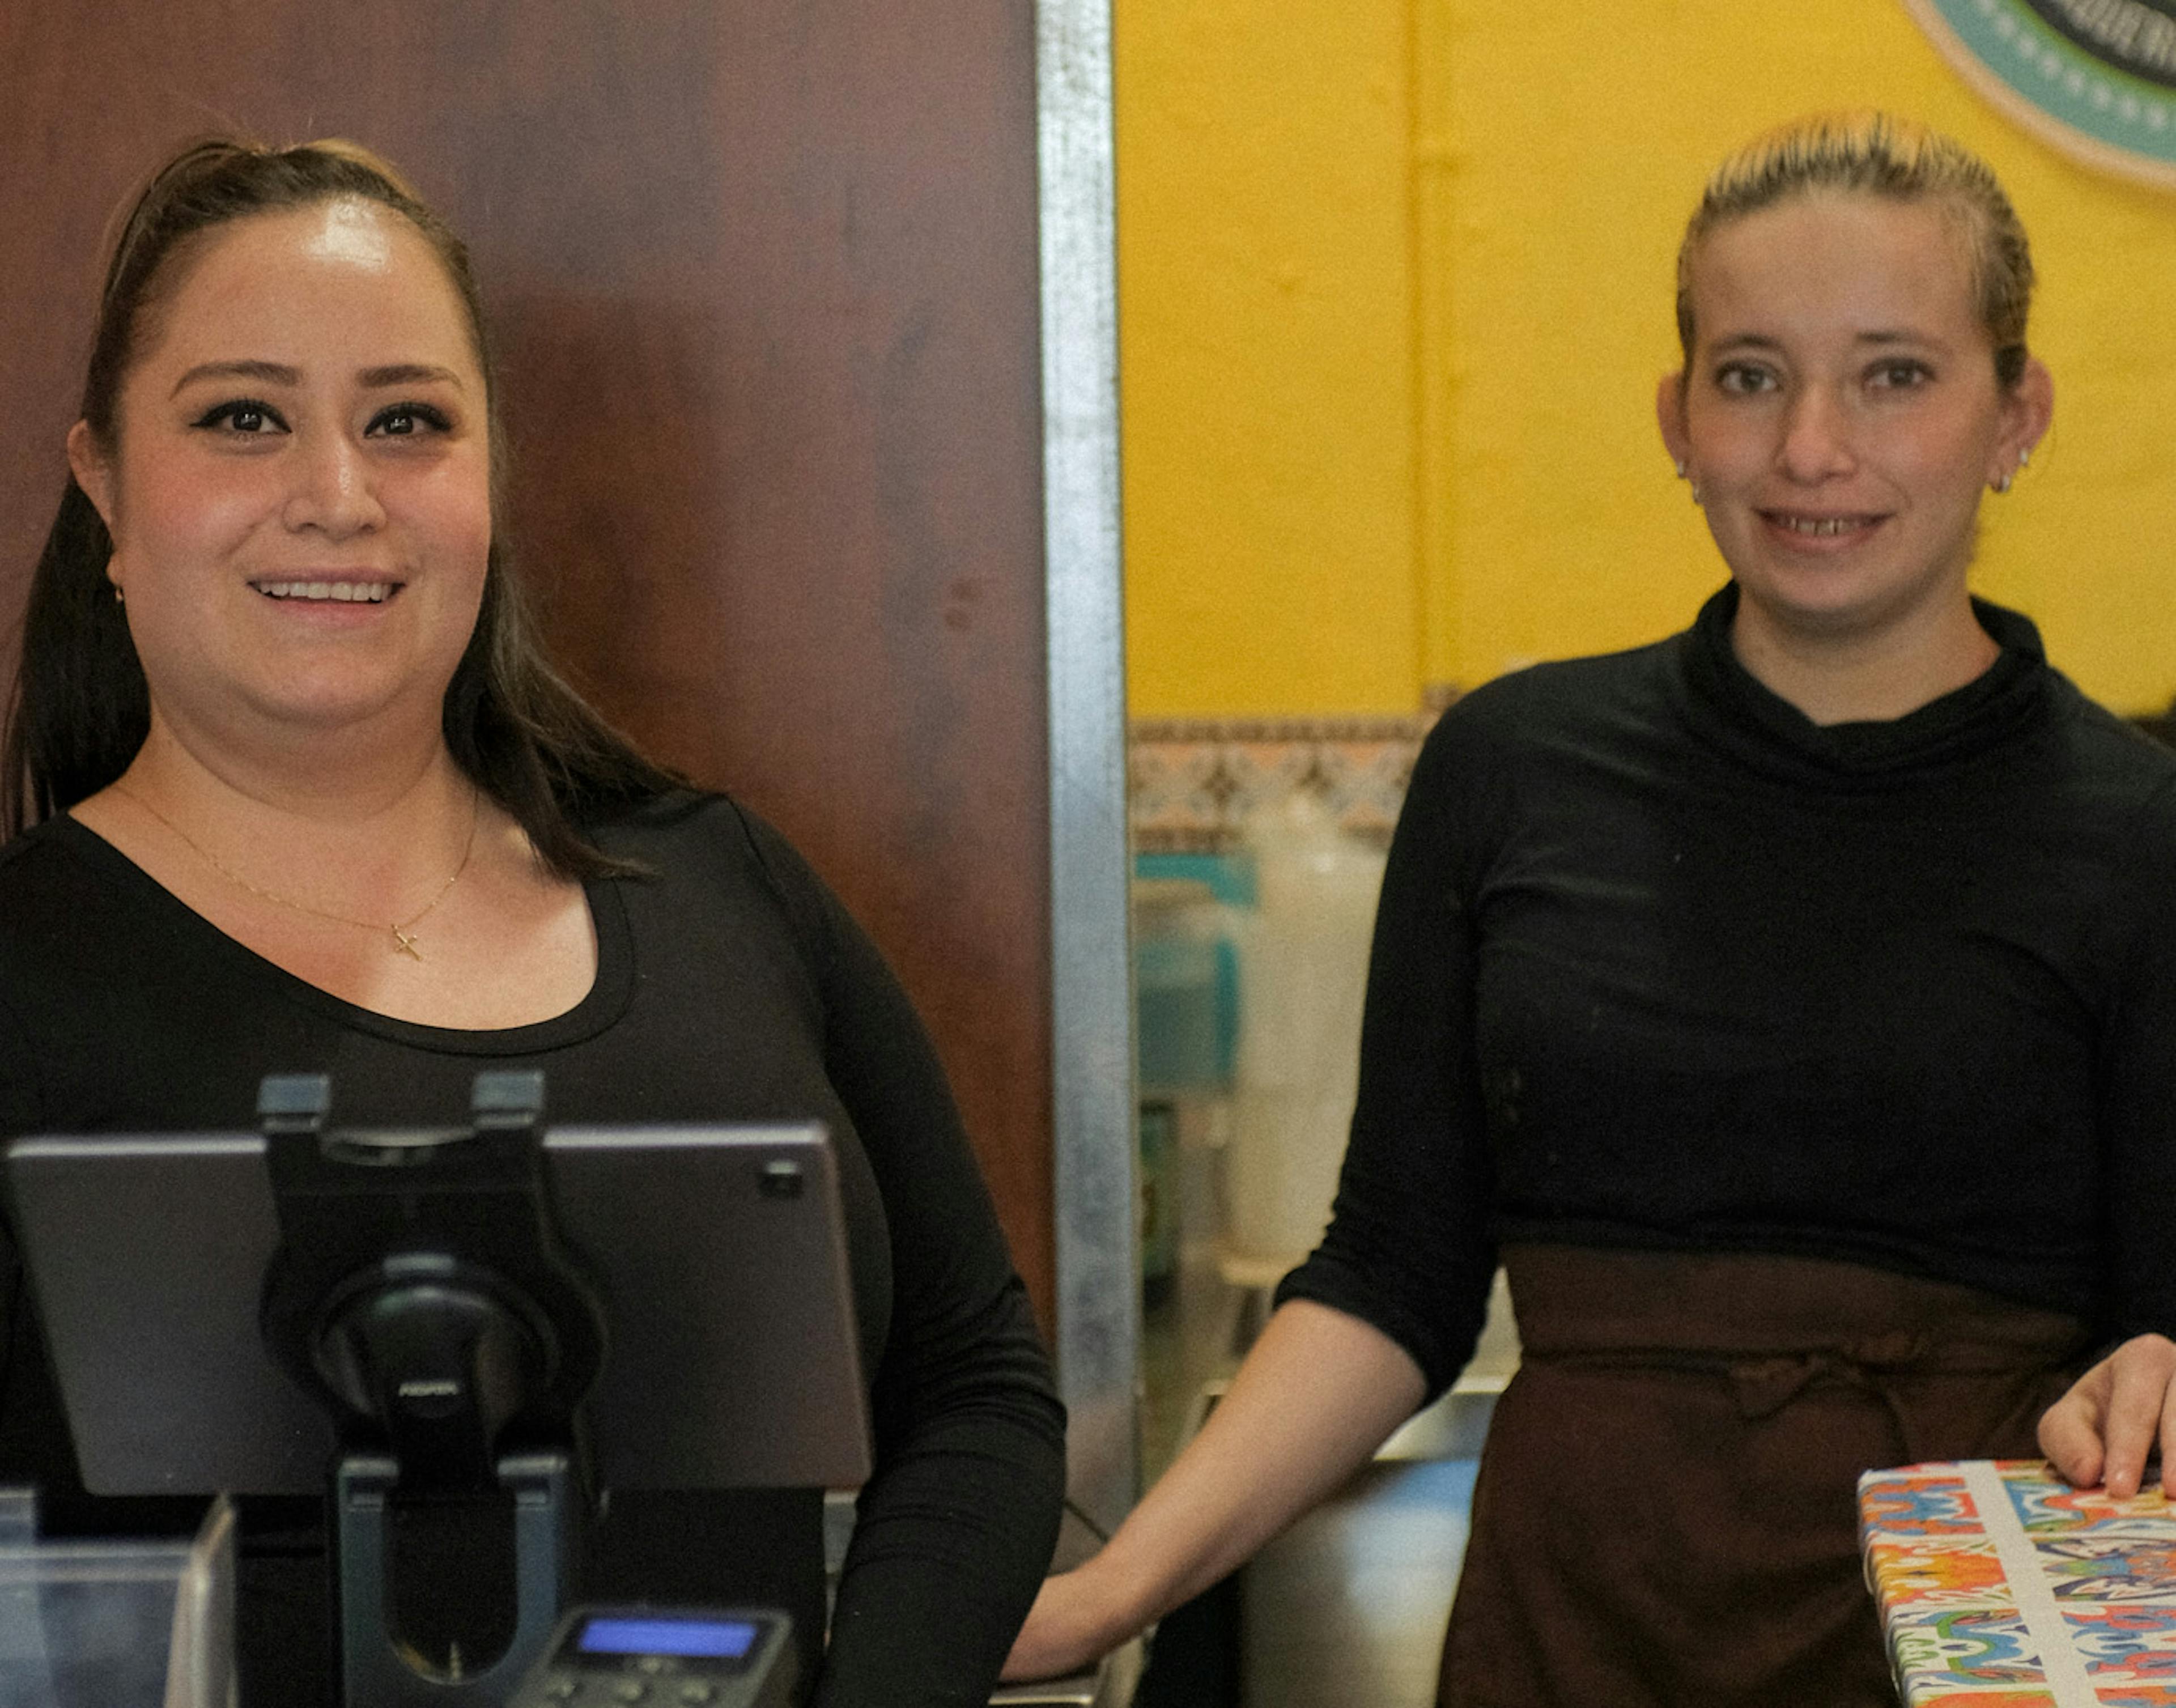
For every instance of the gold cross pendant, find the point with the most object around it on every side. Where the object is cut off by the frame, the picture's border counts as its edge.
(407, 944)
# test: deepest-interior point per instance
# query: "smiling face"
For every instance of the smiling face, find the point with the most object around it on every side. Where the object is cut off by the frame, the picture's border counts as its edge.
(1840, 414)
(299, 495)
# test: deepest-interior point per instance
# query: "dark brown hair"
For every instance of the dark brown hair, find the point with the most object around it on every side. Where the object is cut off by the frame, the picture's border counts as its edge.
(81, 708)
(1876, 154)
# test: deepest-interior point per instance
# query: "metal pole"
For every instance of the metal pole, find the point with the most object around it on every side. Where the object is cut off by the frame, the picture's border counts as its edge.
(1098, 1271)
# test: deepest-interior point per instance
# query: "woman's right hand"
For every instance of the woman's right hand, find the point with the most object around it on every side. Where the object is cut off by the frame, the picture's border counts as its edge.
(2105, 1428)
(1317, 1395)
(1067, 1630)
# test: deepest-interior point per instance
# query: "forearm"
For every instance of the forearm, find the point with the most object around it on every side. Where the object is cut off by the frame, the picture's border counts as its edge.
(1319, 1393)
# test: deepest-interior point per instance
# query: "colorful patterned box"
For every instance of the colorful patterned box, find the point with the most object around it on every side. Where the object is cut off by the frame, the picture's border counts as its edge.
(2002, 1586)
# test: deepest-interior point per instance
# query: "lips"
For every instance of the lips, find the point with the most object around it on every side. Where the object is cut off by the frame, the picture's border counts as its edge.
(339, 592)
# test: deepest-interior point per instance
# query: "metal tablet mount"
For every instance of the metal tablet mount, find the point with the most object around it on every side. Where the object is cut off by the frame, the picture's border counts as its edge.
(420, 1296)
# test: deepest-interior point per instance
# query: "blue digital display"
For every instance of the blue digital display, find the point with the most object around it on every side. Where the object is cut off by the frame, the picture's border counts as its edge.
(722, 1639)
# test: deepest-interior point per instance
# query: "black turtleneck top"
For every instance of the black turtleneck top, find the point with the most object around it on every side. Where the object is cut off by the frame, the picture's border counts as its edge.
(1661, 963)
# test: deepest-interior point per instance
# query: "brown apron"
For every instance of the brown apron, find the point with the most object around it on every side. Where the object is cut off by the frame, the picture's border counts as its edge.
(1666, 1514)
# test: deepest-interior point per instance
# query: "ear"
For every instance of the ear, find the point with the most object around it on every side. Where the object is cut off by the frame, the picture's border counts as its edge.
(1670, 417)
(2027, 410)
(91, 470)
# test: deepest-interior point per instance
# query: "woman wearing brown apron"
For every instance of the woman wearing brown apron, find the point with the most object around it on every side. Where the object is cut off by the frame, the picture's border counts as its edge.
(1790, 1006)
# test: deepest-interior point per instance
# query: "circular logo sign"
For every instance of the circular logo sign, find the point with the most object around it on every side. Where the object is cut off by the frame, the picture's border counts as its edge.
(2097, 77)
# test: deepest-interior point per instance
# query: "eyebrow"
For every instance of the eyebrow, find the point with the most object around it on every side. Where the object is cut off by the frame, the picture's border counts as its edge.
(279, 373)
(408, 374)
(1879, 337)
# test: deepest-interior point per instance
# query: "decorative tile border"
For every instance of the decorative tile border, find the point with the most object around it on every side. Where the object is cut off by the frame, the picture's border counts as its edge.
(1193, 783)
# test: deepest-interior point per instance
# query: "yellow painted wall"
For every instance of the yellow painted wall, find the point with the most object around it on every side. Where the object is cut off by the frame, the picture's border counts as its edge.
(1265, 365)
(1394, 292)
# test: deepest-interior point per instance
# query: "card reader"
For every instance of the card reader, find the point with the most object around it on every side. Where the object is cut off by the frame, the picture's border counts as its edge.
(664, 1657)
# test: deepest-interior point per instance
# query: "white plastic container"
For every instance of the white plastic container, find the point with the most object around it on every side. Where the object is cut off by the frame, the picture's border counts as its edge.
(115, 1625)
(1304, 974)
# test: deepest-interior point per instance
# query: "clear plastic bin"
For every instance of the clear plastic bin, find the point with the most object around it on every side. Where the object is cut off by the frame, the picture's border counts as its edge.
(112, 1624)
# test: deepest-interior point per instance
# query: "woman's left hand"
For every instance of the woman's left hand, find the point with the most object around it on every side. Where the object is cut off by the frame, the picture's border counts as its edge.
(2104, 1429)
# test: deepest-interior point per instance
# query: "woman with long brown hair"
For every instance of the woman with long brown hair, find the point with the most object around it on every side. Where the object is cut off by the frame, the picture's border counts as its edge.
(296, 791)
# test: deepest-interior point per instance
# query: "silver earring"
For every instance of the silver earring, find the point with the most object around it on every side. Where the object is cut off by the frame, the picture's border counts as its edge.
(2002, 483)
(1681, 468)
(119, 597)
(1696, 491)
(2025, 458)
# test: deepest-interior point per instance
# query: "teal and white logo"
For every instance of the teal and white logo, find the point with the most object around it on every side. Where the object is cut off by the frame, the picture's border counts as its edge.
(2097, 77)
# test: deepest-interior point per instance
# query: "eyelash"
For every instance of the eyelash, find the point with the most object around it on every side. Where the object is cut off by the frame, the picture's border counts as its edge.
(433, 418)
(1746, 379)
(224, 416)
(1743, 379)
(1901, 374)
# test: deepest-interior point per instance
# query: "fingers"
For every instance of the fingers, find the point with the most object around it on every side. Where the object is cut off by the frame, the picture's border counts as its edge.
(2137, 1410)
(2169, 1440)
(2105, 1428)
(2070, 1428)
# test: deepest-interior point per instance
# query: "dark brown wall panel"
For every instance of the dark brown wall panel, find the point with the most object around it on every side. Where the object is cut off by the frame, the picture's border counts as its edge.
(764, 280)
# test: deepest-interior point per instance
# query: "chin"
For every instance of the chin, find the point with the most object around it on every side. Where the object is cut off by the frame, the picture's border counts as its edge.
(1839, 613)
(330, 707)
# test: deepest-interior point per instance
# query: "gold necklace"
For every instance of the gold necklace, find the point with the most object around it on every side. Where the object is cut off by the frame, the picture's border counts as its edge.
(403, 937)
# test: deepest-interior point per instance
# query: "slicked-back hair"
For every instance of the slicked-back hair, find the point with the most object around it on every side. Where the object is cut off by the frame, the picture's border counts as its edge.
(1876, 154)
(81, 708)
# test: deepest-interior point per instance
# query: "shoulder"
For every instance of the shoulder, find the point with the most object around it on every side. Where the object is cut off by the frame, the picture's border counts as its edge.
(1527, 743)
(2109, 769)
(63, 937)
(2095, 761)
(1566, 695)
(1526, 717)
(687, 830)
(2088, 798)
(705, 852)
(42, 853)
(52, 886)
(2105, 742)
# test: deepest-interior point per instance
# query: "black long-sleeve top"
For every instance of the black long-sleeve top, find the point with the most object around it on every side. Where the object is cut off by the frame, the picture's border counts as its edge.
(1661, 963)
(731, 985)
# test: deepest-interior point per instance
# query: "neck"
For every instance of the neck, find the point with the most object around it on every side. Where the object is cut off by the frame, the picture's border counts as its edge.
(340, 779)
(1852, 676)
(371, 827)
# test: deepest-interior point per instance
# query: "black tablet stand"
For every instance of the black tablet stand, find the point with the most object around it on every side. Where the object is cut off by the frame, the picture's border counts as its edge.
(421, 1295)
